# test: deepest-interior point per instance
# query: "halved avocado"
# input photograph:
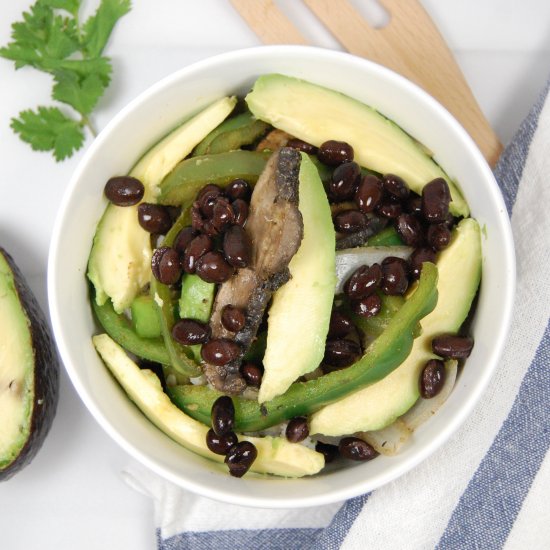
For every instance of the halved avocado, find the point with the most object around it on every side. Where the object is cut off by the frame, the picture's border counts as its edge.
(29, 371)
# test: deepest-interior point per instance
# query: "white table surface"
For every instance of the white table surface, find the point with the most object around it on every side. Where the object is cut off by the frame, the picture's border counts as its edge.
(72, 495)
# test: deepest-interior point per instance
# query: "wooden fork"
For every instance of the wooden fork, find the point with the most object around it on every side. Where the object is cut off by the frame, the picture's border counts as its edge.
(410, 44)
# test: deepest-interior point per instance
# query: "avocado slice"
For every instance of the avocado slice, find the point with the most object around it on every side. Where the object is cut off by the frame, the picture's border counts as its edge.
(377, 406)
(316, 114)
(276, 455)
(120, 260)
(29, 372)
(300, 312)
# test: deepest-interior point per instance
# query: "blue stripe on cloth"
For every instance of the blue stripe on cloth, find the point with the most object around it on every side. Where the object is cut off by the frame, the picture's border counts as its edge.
(334, 534)
(509, 168)
(241, 539)
(490, 504)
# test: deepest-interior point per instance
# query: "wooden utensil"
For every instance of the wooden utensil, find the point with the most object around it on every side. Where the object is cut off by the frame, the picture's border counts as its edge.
(410, 44)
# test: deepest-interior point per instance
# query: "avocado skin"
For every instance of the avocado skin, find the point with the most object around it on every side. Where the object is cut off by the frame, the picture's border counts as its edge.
(46, 373)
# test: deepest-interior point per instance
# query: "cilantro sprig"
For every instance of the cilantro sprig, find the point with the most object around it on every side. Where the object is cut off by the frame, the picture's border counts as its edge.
(51, 39)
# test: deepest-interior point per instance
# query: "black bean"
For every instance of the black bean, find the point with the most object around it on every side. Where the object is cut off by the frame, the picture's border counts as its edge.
(395, 276)
(349, 221)
(369, 193)
(222, 215)
(237, 246)
(418, 257)
(340, 324)
(233, 318)
(213, 268)
(409, 228)
(341, 353)
(167, 267)
(190, 332)
(334, 152)
(252, 374)
(238, 189)
(155, 260)
(344, 181)
(222, 415)
(303, 146)
(297, 429)
(183, 238)
(368, 306)
(124, 190)
(209, 229)
(154, 218)
(206, 199)
(363, 281)
(240, 211)
(220, 444)
(432, 378)
(330, 452)
(389, 209)
(198, 246)
(396, 186)
(220, 351)
(354, 448)
(240, 457)
(438, 236)
(435, 201)
(452, 347)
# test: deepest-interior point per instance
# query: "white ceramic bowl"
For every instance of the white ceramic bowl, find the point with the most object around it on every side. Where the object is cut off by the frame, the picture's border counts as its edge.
(151, 116)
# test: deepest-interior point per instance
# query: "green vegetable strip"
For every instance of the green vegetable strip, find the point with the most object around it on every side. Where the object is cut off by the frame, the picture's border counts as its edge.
(119, 328)
(196, 299)
(232, 134)
(385, 354)
(180, 356)
(387, 237)
(184, 182)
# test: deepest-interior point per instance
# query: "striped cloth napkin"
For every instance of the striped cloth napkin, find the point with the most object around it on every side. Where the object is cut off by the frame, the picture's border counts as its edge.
(488, 486)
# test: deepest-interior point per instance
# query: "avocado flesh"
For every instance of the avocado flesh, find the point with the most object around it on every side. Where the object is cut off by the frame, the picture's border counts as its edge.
(377, 406)
(276, 455)
(120, 260)
(316, 114)
(29, 372)
(308, 295)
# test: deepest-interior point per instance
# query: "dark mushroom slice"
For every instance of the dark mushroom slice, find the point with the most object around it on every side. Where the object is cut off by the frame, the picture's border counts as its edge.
(275, 229)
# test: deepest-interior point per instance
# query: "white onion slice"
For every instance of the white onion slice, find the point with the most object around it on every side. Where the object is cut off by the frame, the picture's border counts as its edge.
(349, 259)
(389, 440)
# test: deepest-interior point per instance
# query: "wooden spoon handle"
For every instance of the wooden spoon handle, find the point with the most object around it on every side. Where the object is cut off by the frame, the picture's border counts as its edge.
(268, 22)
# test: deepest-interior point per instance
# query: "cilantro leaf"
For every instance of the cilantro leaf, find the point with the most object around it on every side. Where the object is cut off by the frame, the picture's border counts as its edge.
(48, 129)
(81, 93)
(98, 27)
(50, 39)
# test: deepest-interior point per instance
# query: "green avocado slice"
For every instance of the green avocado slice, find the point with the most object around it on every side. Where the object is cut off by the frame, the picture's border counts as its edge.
(316, 114)
(29, 371)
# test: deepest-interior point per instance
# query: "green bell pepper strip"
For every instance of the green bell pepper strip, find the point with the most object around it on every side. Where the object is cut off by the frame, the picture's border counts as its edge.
(387, 237)
(119, 328)
(232, 134)
(180, 356)
(196, 299)
(183, 183)
(384, 355)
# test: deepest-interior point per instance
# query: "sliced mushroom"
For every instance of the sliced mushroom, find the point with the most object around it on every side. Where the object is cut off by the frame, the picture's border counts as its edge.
(275, 229)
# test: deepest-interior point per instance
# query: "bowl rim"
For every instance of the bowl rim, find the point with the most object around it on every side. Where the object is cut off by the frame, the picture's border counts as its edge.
(334, 495)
